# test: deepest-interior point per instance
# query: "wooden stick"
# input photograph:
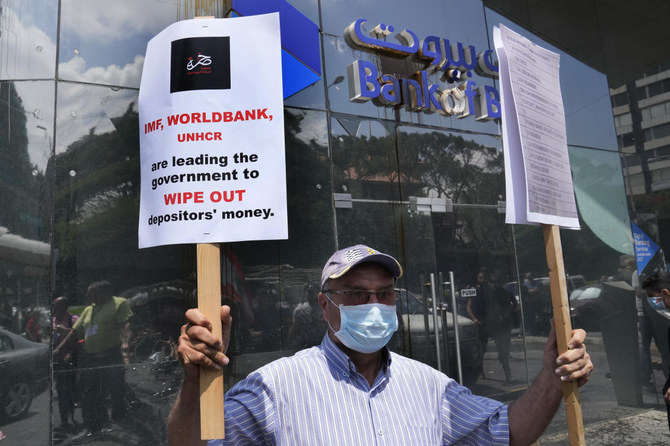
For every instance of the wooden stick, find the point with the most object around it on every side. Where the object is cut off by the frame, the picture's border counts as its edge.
(212, 424)
(559, 300)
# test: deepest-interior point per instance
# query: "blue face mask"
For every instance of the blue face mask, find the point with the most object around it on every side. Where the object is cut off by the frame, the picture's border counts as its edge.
(366, 328)
(656, 303)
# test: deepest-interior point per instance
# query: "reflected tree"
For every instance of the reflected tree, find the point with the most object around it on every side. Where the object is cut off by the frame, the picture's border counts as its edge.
(96, 192)
(19, 187)
(432, 164)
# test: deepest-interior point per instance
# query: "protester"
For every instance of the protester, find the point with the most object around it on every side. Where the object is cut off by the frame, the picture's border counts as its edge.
(351, 389)
(105, 327)
(64, 360)
(658, 285)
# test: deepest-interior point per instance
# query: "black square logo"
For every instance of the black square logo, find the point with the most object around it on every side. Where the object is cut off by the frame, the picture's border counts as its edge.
(200, 63)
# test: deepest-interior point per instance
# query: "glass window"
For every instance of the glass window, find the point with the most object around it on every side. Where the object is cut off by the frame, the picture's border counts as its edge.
(636, 180)
(25, 259)
(627, 139)
(599, 190)
(28, 40)
(646, 114)
(100, 47)
(622, 120)
(661, 131)
(620, 99)
(631, 160)
(655, 89)
(364, 158)
(657, 111)
(641, 93)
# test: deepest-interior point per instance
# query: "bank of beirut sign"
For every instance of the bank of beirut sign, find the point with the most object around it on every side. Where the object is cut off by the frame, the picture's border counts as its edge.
(454, 61)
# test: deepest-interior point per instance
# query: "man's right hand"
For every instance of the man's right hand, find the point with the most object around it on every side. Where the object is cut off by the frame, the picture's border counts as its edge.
(199, 347)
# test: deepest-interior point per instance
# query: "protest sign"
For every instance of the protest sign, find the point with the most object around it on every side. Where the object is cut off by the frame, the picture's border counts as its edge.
(212, 154)
(537, 172)
(537, 168)
(212, 133)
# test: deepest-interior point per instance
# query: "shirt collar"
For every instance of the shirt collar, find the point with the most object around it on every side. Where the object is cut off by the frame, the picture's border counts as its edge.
(340, 363)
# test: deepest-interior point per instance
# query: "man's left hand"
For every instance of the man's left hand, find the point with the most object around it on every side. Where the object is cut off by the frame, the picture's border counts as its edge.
(575, 364)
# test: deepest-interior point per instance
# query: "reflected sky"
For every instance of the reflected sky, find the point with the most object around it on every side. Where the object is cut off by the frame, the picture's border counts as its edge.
(601, 196)
(37, 99)
(27, 39)
(77, 117)
(105, 42)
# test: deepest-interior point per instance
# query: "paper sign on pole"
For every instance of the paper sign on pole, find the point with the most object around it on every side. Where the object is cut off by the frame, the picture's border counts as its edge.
(537, 168)
(537, 173)
(212, 133)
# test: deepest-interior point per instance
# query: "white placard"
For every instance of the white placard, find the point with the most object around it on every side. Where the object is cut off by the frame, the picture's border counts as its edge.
(212, 133)
(537, 167)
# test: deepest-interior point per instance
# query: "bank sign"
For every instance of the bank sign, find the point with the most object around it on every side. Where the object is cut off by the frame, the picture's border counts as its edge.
(453, 62)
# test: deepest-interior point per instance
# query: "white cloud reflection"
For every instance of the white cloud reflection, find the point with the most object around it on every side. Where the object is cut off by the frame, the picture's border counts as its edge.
(28, 57)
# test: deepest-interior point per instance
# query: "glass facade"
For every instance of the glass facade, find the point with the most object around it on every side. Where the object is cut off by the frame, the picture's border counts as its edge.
(425, 187)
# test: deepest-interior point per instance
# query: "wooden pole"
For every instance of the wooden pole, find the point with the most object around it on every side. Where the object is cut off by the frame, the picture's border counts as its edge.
(212, 424)
(559, 300)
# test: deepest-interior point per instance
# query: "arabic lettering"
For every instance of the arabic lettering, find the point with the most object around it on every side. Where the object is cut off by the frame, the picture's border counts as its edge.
(456, 60)
(409, 43)
(202, 60)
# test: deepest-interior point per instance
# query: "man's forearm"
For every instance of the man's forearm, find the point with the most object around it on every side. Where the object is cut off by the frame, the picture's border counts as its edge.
(530, 415)
(184, 419)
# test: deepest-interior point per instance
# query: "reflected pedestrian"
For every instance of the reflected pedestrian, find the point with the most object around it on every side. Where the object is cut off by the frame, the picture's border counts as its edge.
(64, 360)
(105, 327)
(500, 319)
(476, 308)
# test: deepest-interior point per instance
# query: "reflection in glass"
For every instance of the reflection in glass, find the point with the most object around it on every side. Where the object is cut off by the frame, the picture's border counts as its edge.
(364, 159)
(104, 48)
(601, 196)
(28, 40)
(25, 258)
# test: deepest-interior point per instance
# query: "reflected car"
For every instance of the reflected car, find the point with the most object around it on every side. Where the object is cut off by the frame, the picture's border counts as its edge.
(585, 307)
(416, 326)
(24, 368)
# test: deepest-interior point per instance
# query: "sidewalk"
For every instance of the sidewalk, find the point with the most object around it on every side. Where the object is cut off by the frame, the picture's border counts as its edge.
(646, 428)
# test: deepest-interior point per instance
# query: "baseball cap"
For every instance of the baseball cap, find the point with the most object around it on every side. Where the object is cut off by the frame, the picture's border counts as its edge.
(345, 259)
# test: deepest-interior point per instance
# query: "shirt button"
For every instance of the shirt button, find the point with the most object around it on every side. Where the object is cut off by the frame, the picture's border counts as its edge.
(381, 432)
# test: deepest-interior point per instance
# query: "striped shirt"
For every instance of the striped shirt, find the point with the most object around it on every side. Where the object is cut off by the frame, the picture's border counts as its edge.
(317, 397)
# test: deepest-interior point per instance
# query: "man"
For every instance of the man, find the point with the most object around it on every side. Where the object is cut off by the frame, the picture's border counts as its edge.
(658, 286)
(476, 307)
(65, 361)
(644, 327)
(500, 319)
(351, 389)
(105, 327)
